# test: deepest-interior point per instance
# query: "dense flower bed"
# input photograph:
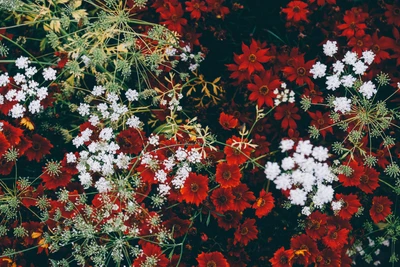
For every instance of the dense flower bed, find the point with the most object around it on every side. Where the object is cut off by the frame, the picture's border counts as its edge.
(206, 133)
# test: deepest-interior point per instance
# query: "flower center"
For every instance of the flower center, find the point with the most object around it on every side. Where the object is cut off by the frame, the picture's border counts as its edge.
(296, 9)
(353, 25)
(327, 261)
(263, 90)
(360, 43)
(283, 260)
(301, 71)
(376, 48)
(238, 196)
(226, 175)
(222, 199)
(396, 11)
(260, 202)
(196, 6)
(303, 247)
(244, 231)
(36, 146)
(194, 187)
(364, 179)
(252, 58)
(211, 264)
(236, 152)
(321, 121)
(174, 17)
(288, 113)
(379, 208)
(334, 235)
(188, 36)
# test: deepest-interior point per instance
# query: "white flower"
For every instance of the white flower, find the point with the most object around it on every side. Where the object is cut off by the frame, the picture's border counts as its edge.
(22, 62)
(98, 90)
(287, 163)
(304, 147)
(112, 97)
(368, 89)
(4, 79)
(348, 80)
(132, 95)
(85, 179)
(336, 206)
(133, 122)
(359, 67)
(318, 70)
(153, 139)
(41, 93)
(320, 153)
(102, 185)
(350, 58)
(106, 134)
(272, 170)
(283, 182)
(49, 74)
(298, 197)
(333, 82)
(368, 56)
(330, 48)
(84, 109)
(170, 51)
(30, 71)
(324, 195)
(17, 111)
(94, 120)
(338, 67)
(85, 60)
(286, 145)
(34, 106)
(19, 78)
(71, 158)
(306, 211)
(342, 104)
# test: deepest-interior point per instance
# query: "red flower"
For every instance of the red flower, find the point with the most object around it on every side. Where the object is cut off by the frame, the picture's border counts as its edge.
(360, 42)
(323, 2)
(13, 134)
(6, 166)
(246, 232)
(350, 205)
(252, 57)
(379, 47)
(222, 198)
(227, 121)
(264, 204)
(335, 238)
(177, 225)
(228, 175)
(393, 14)
(243, 197)
(40, 147)
(300, 71)
(316, 225)
(262, 90)
(4, 144)
(328, 258)
(282, 258)
(288, 114)
(23, 145)
(322, 122)
(195, 189)
(296, 11)
(354, 178)
(55, 176)
(130, 141)
(238, 74)
(396, 46)
(212, 259)
(236, 151)
(354, 22)
(151, 251)
(305, 249)
(217, 8)
(380, 208)
(230, 219)
(316, 96)
(195, 7)
(369, 180)
(173, 18)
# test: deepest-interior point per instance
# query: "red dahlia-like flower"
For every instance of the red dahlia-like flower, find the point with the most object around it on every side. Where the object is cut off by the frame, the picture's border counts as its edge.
(262, 90)
(195, 7)
(350, 205)
(4, 144)
(323, 2)
(13, 134)
(380, 45)
(55, 176)
(173, 18)
(177, 225)
(40, 147)
(328, 258)
(236, 151)
(369, 180)
(217, 8)
(195, 189)
(227, 121)
(212, 259)
(23, 145)
(243, 197)
(222, 199)
(246, 232)
(354, 23)
(282, 258)
(264, 204)
(380, 208)
(360, 42)
(288, 114)
(151, 251)
(130, 141)
(321, 121)
(354, 178)
(393, 14)
(300, 71)
(237, 74)
(252, 57)
(305, 249)
(230, 219)
(6, 166)
(316, 225)
(335, 238)
(316, 96)
(296, 11)
(228, 175)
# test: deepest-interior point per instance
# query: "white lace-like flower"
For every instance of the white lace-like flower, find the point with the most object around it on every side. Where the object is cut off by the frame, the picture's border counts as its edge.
(272, 170)
(348, 80)
(330, 48)
(318, 70)
(350, 58)
(368, 89)
(368, 56)
(342, 104)
(333, 82)
(359, 67)
(22, 62)
(49, 74)
(286, 145)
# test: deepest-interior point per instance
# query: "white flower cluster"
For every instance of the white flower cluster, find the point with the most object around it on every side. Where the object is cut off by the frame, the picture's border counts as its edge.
(283, 96)
(305, 174)
(24, 92)
(352, 64)
(187, 56)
